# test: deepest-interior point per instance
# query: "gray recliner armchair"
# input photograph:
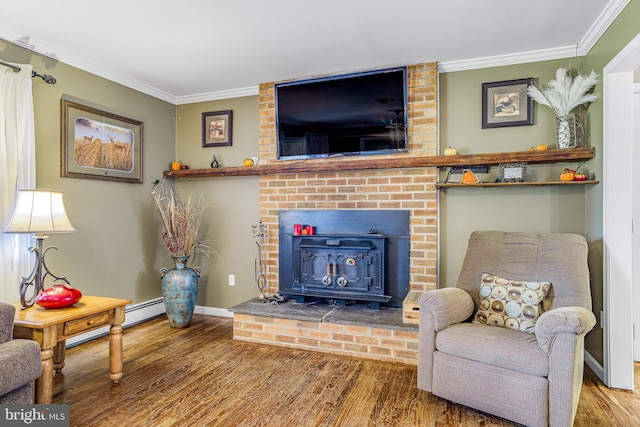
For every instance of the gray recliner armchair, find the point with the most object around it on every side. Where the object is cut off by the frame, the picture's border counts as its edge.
(530, 374)
(20, 362)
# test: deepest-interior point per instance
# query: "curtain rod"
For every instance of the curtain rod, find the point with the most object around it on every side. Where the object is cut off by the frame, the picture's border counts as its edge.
(46, 77)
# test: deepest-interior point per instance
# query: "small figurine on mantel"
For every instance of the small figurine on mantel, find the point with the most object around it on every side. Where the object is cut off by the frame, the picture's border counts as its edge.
(215, 163)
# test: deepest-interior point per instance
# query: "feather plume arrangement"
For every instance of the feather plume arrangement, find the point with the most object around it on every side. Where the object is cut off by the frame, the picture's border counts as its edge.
(563, 94)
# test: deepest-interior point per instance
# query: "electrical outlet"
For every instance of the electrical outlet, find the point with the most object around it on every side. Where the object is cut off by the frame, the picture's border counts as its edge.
(232, 280)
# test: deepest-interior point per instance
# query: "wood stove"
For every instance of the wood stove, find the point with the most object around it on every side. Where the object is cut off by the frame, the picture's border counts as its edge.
(339, 268)
(355, 257)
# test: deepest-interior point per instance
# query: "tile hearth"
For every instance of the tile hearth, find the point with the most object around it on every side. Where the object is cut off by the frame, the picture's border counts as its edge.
(352, 331)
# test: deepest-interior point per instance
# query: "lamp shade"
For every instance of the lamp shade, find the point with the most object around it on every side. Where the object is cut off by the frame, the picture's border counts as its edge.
(39, 211)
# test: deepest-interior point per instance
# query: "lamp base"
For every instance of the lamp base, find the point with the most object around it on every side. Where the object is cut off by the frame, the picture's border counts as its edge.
(35, 281)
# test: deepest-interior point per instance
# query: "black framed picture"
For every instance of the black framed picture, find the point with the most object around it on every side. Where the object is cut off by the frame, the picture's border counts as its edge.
(506, 104)
(217, 128)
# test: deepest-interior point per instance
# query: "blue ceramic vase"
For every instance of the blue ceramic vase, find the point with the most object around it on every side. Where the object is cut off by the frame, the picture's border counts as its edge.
(180, 291)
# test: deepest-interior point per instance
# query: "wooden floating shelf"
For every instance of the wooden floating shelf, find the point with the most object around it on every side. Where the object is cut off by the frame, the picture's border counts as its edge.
(512, 184)
(332, 165)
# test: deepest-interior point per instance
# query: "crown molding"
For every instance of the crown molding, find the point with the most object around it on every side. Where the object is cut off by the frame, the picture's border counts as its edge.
(44, 49)
(221, 94)
(503, 60)
(606, 18)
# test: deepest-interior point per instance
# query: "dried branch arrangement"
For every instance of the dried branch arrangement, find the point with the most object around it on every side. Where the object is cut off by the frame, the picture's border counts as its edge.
(181, 221)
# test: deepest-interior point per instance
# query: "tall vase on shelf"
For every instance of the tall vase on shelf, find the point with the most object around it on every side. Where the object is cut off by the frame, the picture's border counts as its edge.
(180, 292)
(181, 222)
(568, 131)
(564, 94)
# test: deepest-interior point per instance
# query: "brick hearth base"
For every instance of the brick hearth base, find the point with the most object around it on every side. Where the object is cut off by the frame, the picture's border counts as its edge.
(351, 331)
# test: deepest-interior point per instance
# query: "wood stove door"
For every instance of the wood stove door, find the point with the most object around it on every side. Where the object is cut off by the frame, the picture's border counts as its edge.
(339, 271)
(353, 273)
(316, 269)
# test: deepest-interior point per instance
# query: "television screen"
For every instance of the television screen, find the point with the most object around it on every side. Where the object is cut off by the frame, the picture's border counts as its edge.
(354, 114)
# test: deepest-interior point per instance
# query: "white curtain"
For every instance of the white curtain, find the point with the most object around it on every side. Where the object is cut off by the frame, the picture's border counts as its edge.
(17, 171)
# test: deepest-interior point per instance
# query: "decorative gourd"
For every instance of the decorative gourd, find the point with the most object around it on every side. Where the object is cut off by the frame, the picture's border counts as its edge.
(567, 175)
(248, 161)
(450, 151)
(175, 166)
(542, 147)
(469, 177)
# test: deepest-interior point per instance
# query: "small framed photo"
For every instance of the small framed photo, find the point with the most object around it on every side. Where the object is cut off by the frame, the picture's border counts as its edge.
(506, 103)
(100, 144)
(217, 127)
(513, 172)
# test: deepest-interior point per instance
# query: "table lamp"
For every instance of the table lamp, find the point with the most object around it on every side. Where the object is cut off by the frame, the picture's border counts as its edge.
(38, 212)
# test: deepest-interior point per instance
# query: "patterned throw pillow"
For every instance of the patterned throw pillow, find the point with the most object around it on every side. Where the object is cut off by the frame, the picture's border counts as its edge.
(510, 303)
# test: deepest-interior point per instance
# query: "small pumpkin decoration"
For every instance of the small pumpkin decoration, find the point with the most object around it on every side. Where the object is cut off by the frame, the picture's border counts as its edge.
(567, 175)
(450, 151)
(469, 177)
(542, 147)
(175, 166)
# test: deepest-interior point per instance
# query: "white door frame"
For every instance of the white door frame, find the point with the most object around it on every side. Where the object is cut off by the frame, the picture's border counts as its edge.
(617, 215)
(636, 218)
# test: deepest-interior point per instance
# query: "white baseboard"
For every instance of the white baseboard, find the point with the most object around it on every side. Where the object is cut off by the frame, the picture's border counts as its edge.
(213, 311)
(136, 313)
(594, 365)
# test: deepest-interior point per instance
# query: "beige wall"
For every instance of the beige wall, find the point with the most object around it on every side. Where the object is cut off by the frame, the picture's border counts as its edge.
(115, 251)
(534, 209)
(233, 200)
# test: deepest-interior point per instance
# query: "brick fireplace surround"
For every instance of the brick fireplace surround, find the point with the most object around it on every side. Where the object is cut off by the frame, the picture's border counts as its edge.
(410, 189)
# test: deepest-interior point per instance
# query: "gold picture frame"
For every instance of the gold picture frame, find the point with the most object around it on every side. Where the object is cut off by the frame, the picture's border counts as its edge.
(98, 144)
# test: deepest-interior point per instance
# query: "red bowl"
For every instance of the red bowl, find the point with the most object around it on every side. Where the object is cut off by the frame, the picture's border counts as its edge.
(58, 296)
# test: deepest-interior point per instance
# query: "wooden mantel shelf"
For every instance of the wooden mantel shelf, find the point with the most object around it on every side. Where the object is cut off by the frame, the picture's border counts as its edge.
(327, 165)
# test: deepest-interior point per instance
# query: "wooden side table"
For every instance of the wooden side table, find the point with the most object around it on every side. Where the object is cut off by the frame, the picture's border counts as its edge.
(52, 327)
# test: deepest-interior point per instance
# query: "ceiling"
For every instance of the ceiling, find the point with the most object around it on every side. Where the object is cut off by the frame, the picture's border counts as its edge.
(197, 50)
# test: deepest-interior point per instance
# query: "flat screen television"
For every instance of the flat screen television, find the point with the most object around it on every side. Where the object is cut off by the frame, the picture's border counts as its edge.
(351, 114)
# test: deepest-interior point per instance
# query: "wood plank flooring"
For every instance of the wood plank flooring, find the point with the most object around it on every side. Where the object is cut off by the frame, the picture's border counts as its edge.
(199, 376)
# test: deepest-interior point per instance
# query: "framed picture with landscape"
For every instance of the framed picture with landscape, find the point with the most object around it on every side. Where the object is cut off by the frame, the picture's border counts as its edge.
(98, 144)
(506, 103)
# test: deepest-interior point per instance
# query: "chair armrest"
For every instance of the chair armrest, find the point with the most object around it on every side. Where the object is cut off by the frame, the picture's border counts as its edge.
(446, 306)
(20, 363)
(7, 316)
(563, 320)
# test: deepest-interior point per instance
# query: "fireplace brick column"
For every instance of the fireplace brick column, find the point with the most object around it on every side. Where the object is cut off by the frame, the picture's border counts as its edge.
(412, 188)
